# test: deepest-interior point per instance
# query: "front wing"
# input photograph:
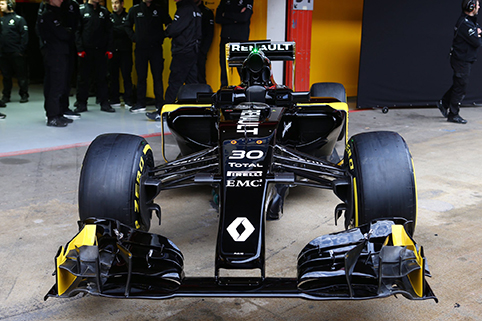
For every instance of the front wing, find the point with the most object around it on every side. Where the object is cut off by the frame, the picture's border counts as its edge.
(107, 258)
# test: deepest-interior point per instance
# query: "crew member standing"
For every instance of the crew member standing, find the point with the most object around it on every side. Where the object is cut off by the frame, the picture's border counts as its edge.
(13, 47)
(55, 35)
(149, 20)
(206, 40)
(466, 42)
(94, 47)
(71, 16)
(121, 57)
(234, 17)
(185, 32)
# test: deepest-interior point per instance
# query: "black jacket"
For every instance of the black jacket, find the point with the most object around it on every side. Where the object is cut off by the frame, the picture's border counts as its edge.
(69, 18)
(185, 29)
(54, 34)
(235, 24)
(466, 39)
(120, 38)
(14, 33)
(207, 28)
(95, 28)
(148, 23)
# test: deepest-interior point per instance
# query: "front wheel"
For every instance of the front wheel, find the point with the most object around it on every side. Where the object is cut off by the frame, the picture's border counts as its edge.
(111, 180)
(383, 178)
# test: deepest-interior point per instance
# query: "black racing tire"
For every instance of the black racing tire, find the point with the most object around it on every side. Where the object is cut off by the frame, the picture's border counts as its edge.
(329, 89)
(110, 186)
(384, 184)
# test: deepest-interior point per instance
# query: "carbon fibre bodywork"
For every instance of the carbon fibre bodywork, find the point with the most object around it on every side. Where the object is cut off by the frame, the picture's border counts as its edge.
(251, 143)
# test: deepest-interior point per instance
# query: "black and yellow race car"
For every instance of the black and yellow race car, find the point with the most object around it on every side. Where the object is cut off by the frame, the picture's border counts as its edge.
(251, 143)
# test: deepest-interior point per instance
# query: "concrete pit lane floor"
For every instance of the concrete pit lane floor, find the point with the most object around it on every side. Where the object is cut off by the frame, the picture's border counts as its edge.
(39, 214)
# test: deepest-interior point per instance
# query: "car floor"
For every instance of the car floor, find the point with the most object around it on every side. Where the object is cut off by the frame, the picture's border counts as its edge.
(39, 174)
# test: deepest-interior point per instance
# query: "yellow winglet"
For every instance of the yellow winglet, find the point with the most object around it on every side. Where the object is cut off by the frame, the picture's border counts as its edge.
(401, 238)
(86, 237)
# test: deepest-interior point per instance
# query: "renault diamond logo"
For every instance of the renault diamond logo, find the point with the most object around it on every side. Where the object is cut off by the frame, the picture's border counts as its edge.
(240, 234)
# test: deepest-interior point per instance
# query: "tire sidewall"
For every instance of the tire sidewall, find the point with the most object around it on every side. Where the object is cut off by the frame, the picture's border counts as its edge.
(383, 177)
(111, 181)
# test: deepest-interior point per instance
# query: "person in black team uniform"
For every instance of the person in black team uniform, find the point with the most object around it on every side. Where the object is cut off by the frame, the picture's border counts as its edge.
(466, 42)
(94, 47)
(55, 35)
(122, 57)
(206, 40)
(185, 32)
(13, 47)
(234, 17)
(70, 15)
(148, 19)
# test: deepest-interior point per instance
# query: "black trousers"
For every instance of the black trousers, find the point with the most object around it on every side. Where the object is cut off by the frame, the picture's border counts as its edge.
(183, 70)
(460, 81)
(121, 60)
(156, 60)
(14, 64)
(64, 100)
(56, 82)
(95, 60)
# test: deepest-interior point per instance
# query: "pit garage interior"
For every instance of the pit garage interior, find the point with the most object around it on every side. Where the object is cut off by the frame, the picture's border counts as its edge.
(40, 166)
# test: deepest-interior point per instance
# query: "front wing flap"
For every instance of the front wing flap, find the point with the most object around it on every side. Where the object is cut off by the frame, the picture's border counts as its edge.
(107, 258)
(374, 260)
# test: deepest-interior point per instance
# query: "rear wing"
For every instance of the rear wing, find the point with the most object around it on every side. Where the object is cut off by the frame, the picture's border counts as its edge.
(237, 52)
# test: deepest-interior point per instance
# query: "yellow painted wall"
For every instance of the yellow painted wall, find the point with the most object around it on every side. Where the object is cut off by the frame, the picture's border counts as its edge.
(335, 42)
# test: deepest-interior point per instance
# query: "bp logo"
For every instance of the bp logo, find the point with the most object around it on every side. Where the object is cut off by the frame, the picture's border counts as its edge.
(240, 234)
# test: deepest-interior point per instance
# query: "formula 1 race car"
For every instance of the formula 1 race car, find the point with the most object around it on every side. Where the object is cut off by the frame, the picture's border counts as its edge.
(251, 143)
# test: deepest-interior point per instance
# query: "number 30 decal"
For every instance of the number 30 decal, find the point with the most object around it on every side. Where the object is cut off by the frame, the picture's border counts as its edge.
(242, 154)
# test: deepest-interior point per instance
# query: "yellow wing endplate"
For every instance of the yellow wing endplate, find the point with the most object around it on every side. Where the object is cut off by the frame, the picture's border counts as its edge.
(86, 237)
(401, 238)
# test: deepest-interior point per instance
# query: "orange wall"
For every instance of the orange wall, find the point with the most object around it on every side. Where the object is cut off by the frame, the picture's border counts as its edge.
(335, 42)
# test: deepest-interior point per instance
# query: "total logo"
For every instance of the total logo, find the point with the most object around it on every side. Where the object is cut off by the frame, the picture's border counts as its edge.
(244, 165)
(233, 229)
